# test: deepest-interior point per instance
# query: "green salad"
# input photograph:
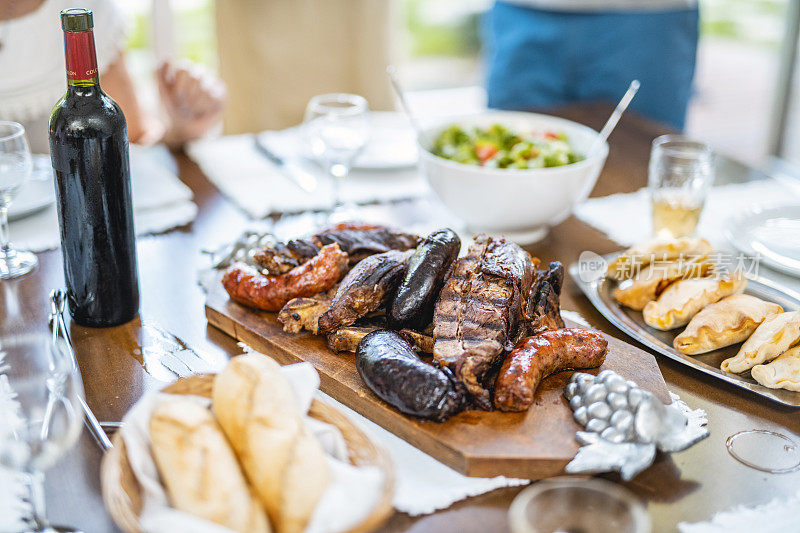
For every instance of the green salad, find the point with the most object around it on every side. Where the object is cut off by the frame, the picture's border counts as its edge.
(499, 147)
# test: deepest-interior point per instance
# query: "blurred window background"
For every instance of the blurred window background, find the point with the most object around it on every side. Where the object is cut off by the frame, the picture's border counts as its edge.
(437, 44)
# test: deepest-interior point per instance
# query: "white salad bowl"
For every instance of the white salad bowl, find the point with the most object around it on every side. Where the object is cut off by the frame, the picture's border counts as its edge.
(521, 204)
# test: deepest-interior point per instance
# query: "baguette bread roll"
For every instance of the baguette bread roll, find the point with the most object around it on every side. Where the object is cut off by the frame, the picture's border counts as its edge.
(286, 465)
(199, 469)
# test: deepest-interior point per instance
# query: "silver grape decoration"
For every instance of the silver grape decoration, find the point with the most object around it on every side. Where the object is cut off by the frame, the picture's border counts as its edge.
(625, 425)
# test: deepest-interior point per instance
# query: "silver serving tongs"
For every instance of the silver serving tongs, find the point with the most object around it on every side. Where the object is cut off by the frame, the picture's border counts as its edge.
(59, 328)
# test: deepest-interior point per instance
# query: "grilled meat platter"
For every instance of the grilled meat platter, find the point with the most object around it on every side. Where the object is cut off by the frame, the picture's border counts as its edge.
(433, 333)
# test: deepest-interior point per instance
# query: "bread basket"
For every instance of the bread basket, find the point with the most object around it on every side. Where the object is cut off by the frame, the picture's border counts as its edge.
(122, 493)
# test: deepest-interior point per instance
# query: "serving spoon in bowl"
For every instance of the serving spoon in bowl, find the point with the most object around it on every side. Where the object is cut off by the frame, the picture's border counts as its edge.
(612, 121)
(391, 71)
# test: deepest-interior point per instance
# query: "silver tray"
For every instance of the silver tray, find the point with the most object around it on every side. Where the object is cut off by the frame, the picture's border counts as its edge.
(632, 323)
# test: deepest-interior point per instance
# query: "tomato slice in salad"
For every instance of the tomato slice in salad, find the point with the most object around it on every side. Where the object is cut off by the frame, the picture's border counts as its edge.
(485, 150)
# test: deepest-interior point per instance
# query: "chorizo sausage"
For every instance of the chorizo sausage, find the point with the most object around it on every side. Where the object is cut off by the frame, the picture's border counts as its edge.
(248, 286)
(535, 358)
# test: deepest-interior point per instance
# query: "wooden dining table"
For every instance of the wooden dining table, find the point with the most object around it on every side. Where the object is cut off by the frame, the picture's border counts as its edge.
(171, 337)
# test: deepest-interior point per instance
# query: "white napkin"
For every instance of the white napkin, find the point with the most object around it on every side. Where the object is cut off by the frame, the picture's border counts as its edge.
(259, 188)
(160, 202)
(625, 218)
(778, 515)
(424, 485)
(352, 494)
(14, 508)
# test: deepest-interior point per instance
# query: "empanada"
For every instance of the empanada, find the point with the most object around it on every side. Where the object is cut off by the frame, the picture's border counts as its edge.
(730, 320)
(782, 373)
(653, 279)
(774, 336)
(685, 298)
(629, 262)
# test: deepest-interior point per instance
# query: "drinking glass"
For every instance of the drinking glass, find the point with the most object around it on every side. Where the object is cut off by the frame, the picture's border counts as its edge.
(681, 171)
(577, 505)
(15, 168)
(336, 128)
(40, 411)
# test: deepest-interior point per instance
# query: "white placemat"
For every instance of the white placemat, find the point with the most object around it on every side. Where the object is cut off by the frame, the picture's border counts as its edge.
(779, 515)
(160, 202)
(259, 188)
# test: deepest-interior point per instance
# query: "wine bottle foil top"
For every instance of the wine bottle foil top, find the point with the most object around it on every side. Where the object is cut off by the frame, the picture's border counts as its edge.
(76, 19)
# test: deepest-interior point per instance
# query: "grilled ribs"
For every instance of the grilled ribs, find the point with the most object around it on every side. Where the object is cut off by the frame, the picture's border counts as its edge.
(355, 239)
(359, 242)
(546, 300)
(303, 313)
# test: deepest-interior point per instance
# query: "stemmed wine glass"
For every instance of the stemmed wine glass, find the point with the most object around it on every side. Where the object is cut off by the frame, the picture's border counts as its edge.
(15, 168)
(40, 409)
(336, 127)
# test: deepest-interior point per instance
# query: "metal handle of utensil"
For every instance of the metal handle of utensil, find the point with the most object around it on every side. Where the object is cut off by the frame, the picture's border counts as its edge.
(57, 303)
(305, 180)
(612, 121)
(391, 71)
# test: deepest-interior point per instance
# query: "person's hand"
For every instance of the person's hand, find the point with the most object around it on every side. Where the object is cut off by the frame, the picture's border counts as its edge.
(193, 100)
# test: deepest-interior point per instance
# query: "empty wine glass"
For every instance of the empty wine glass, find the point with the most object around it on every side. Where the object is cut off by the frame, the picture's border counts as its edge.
(40, 408)
(336, 129)
(15, 168)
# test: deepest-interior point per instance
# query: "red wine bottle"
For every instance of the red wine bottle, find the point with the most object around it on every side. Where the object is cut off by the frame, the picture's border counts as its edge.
(89, 152)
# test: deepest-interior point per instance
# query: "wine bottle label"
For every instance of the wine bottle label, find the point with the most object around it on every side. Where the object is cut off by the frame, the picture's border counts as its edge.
(80, 56)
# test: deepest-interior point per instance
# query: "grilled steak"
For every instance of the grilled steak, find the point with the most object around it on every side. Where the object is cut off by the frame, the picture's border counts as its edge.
(365, 288)
(477, 317)
(546, 296)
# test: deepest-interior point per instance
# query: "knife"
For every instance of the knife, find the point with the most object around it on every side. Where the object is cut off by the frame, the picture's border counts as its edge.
(293, 172)
(57, 303)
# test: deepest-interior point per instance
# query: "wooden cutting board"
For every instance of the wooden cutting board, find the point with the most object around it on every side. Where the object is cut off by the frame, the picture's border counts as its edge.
(534, 444)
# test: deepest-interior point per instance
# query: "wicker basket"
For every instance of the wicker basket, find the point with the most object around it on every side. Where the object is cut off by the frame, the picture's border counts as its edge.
(122, 494)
